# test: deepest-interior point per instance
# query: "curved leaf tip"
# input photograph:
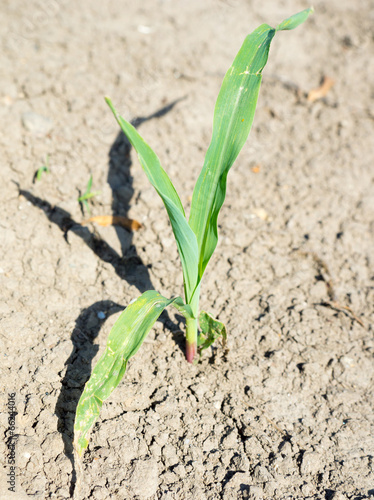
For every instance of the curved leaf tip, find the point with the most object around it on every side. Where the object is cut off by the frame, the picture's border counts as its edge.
(294, 21)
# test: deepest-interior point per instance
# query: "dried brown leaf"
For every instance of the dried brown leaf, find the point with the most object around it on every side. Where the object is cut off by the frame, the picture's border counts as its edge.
(322, 90)
(115, 220)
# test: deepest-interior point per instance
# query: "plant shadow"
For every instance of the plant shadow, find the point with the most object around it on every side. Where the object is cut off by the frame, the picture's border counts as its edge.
(127, 266)
(79, 366)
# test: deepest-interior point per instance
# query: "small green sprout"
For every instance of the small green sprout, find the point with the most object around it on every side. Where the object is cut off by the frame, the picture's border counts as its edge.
(83, 200)
(196, 238)
(43, 168)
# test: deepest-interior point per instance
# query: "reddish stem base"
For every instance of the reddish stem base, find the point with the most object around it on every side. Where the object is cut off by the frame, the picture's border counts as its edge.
(191, 350)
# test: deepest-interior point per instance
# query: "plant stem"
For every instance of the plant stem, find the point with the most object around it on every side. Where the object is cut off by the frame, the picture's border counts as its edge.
(191, 325)
(191, 339)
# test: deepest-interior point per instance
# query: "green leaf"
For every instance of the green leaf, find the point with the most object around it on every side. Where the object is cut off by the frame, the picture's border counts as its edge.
(233, 117)
(40, 171)
(88, 196)
(125, 338)
(211, 330)
(185, 237)
(89, 185)
(295, 20)
(43, 168)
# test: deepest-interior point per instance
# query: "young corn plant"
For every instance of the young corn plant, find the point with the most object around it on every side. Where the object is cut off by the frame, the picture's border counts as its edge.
(44, 168)
(88, 194)
(196, 238)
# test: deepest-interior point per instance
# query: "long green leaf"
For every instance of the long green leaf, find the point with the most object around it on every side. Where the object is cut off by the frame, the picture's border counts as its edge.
(185, 237)
(125, 338)
(233, 117)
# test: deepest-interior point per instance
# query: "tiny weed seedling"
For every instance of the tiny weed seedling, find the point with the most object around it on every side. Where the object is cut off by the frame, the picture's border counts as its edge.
(43, 168)
(196, 238)
(83, 200)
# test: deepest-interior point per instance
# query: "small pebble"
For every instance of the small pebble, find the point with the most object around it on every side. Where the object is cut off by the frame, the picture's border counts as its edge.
(311, 463)
(144, 29)
(37, 124)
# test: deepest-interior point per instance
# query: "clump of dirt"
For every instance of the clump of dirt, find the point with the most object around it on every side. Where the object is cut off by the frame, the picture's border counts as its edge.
(288, 412)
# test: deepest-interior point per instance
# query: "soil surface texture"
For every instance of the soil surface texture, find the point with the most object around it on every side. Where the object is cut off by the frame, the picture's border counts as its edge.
(287, 412)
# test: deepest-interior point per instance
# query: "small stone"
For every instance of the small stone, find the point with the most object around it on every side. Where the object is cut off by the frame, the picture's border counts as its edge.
(170, 455)
(230, 440)
(240, 463)
(262, 474)
(311, 463)
(261, 213)
(37, 124)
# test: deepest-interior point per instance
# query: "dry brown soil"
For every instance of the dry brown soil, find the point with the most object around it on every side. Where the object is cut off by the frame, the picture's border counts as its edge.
(287, 413)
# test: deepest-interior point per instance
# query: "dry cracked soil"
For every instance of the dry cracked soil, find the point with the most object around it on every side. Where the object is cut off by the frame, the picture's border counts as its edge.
(287, 411)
